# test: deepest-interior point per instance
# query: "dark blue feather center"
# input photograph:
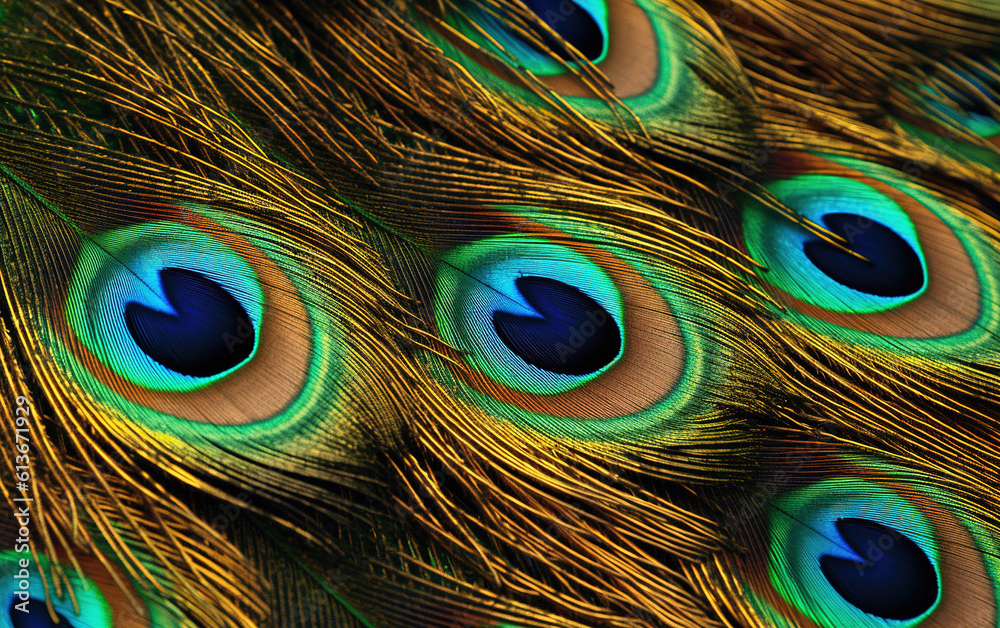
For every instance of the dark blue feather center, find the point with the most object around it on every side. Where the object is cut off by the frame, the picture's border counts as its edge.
(36, 617)
(896, 580)
(573, 336)
(209, 333)
(573, 23)
(892, 269)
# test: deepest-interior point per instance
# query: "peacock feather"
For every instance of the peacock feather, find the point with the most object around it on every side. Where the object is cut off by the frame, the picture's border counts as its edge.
(500, 313)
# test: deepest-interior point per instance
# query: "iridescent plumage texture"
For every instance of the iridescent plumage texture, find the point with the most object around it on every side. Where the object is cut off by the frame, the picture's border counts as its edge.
(501, 313)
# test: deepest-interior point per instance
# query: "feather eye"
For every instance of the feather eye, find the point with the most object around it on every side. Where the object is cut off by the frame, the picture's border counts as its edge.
(165, 305)
(184, 328)
(89, 608)
(851, 550)
(643, 49)
(554, 328)
(583, 25)
(94, 600)
(916, 270)
(957, 109)
(537, 316)
(868, 546)
(584, 32)
(184, 320)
